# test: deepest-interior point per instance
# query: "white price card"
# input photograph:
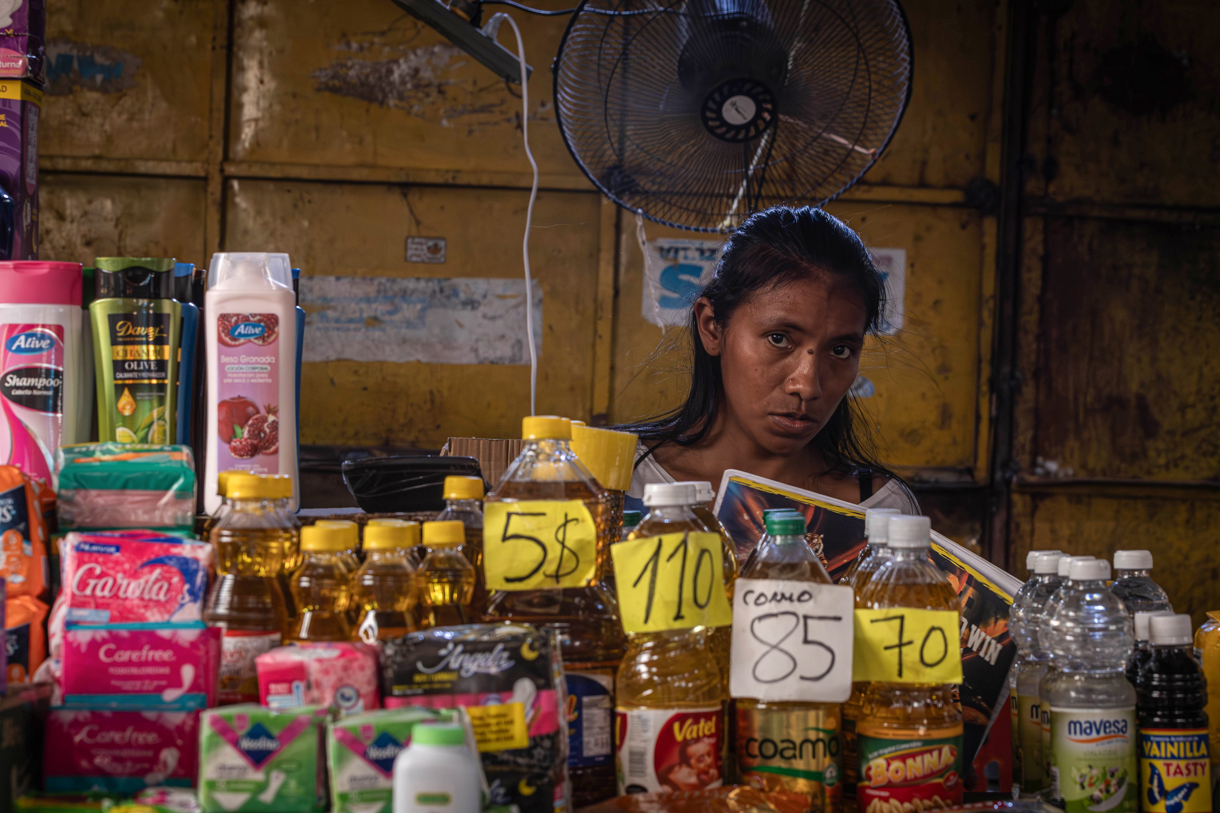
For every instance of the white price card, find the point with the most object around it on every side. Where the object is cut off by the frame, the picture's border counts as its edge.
(792, 641)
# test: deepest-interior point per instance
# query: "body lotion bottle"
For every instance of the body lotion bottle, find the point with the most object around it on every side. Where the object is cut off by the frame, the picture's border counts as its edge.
(250, 327)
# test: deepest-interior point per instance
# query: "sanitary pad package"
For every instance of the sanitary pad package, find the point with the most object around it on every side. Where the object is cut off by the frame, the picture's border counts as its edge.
(341, 675)
(126, 485)
(360, 750)
(25, 505)
(136, 666)
(256, 759)
(120, 750)
(25, 638)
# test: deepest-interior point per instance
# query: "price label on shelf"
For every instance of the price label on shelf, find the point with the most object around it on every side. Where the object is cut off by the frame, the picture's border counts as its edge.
(669, 582)
(905, 645)
(538, 545)
(792, 641)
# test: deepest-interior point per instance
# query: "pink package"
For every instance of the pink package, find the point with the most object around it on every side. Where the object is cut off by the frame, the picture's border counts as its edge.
(133, 577)
(339, 675)
(120, 751)
(167, 666)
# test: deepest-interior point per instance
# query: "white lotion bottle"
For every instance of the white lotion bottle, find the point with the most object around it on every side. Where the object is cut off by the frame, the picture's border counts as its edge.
(250, 328)
(437, 773)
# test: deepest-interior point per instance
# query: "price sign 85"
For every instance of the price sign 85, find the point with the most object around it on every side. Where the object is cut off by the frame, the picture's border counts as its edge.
(538, 545)
(671, 582)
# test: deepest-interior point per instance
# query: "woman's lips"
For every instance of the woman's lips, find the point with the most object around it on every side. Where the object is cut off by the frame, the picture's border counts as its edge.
(793, 424)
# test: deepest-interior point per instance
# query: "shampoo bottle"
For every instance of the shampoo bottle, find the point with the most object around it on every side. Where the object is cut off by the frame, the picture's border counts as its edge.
(250, 327)
(137, 330)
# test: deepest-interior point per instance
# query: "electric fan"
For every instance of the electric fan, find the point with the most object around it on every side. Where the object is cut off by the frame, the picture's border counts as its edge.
(696, 113)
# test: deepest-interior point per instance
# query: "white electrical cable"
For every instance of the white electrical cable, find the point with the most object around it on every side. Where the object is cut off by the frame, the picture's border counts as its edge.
(529, 211)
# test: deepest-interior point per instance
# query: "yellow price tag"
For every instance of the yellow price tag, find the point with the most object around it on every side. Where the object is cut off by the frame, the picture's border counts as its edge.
(671, 582)
(906, 645)
(538, 545)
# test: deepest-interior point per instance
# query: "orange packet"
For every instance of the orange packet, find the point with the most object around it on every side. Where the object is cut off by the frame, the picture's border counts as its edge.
(25, 634)
(25, 505)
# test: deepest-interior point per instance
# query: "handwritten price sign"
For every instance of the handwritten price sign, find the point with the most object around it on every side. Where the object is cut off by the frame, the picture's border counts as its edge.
(538, 545)
(792, 641)
(671, 582)
(905, 645)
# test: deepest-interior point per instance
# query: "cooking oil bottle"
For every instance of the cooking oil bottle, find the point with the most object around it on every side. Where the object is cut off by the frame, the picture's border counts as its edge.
(445, 579)
(281, 484)
(383, 589)
(321, 585)
(811, 767)
(584, 618)
(671, 695)
(908, 735)
(721, 637)
(250, 538)
(464, 502)
(222, 485)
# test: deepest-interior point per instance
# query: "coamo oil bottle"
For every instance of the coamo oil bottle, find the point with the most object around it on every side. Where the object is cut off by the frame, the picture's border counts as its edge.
(546, 539)
(790, 746)
(909, 734)
(670, 725)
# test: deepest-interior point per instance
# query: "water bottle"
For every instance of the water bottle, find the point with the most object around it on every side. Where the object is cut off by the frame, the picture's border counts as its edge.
(1092, 706)
(1025, 678)
(1134, 585)
(1055, 664)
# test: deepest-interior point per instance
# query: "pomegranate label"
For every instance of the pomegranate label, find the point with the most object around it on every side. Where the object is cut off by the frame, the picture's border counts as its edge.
(669, 750)
(898, 774)
(248, 413)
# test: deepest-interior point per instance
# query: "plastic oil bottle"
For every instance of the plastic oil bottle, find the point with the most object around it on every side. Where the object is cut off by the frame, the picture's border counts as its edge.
(321, 585)
(1207, 652)
(1092, 706)
(671, 697)
(1024, 620)
(445, 579)
(585, 618)
(383, 589)
(1134, 585)
(721, 637)
(874, 534)
(810, 771)
(245, 601)
(1171, 694)
(895, 717)
(464, 502)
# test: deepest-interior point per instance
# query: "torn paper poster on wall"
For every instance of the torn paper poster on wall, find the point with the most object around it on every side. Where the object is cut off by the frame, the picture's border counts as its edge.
(892, 263)
(675, 271)
(434, 320)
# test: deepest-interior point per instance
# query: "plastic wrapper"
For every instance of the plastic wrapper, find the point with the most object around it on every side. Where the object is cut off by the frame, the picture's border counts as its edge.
(121, 751)
(732, 799)
(25, 637)
(115, 485)
(25, 506)
(340, 675)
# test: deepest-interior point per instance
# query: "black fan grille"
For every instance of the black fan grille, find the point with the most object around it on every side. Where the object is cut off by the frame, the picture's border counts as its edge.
(639, 134)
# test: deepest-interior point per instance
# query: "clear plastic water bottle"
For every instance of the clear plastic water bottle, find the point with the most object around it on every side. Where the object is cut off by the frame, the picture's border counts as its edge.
(1025, 678)
(1134, 585)
(1092, 705)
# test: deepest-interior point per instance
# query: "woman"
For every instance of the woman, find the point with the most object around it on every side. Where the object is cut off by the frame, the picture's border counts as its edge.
(777, 338)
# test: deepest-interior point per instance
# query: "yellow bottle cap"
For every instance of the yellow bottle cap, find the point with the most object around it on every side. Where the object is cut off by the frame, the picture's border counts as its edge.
(246, 486)
(546, 427)
(443, 534)
(463, 488)
(329, 536)
(577, 423)
(283, 485)
(387, 534)
(222, 483)
(609, 455)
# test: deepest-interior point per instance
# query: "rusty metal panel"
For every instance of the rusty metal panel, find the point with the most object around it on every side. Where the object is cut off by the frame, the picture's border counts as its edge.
(87, 216)
(128, 80)
(1131, 102)
(1129, 350)
(362, 231)
(926, 378)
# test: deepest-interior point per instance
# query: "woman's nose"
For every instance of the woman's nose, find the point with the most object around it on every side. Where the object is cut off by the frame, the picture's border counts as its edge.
(806, 381)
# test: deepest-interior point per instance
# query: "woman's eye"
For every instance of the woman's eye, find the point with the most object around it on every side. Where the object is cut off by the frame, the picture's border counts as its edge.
(777, 339)
(841, 351)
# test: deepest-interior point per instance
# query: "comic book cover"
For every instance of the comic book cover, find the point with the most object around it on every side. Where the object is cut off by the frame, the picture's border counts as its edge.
(836, 530)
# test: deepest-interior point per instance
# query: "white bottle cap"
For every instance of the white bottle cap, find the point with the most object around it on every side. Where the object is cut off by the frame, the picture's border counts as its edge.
(1088, 570)
(1065, 564)
(1133, 560)
(1046, 562)
(877, 524)
(1170, 630)
(1029, 559)
(1142, 619)
(250, 270)
(703, 491)
(659, 495)
(910, 532)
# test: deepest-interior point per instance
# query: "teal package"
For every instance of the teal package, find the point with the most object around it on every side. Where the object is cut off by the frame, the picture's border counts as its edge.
(361, 749)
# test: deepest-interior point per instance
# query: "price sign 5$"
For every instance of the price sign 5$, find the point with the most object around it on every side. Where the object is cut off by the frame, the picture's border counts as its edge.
(906, 645)
(671, 582)
(538, 545)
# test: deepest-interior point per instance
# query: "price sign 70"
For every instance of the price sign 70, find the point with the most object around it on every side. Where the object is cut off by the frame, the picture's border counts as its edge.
(906, 645)
(538, 545)
(670, 582)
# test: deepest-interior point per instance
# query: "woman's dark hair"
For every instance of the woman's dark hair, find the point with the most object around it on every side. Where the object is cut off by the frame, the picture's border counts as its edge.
(771, 249)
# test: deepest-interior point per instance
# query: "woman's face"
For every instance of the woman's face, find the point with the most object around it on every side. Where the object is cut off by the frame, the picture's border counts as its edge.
(787, 358)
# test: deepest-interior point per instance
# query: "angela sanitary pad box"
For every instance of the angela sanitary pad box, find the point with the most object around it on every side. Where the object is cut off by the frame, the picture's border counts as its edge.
(340, 675)
(120, 751)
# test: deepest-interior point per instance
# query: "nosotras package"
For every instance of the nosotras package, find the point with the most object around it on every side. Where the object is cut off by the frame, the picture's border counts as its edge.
(126, 485)
(360, 751)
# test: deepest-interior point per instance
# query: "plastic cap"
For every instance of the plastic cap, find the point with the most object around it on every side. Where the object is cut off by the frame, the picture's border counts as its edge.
(1065, 564)
(1170, 630)
(1088, 570)
(910, 532)
(546, 427)
(32, 282)
(438, 734)
(1046, 562)
(1133, 560)
(222, 483)
(632, 518)
(442, 534)
(246, 486)
(391, 534)
(786, 525)
(704, 491)
(577, 423)
(249, 271)
(665, 494)
(877, 524)
(282, 483)
(330, 537)
(608, 455)
(1141, 622)
(769, 511)
(463, 488)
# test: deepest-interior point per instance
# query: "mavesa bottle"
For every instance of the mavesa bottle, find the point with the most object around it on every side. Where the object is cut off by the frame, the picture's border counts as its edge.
(1024, 620)
(1056, 662)
(320, 586)
(585, 618)
(464, 503)
(670, 695)
(445, 579)
(811, 766)
(384, 589)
